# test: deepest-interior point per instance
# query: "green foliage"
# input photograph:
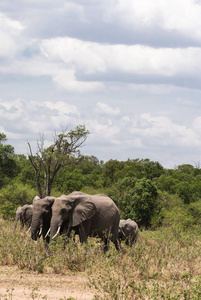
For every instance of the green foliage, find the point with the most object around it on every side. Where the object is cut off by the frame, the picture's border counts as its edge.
(113, 170)
(136, 199)
(174, 212)
(86, 171)
(8, 168)
(26, 173)
(184, 181)
(13, 196)
(165, 183)
(69, 181)
(194, 210)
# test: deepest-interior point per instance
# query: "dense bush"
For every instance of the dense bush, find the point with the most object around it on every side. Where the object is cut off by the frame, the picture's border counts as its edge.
(8, 167)
(13, 196)
(136, 199)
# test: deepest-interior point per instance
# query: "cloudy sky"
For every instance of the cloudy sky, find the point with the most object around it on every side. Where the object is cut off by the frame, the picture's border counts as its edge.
(130, 70)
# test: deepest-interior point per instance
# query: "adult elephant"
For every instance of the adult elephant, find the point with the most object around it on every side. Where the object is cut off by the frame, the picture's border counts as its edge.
(128, 230)
(24, 215)
(92, 215)
(42, 213)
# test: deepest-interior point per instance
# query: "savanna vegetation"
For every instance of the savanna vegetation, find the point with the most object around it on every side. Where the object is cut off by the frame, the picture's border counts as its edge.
(165, 263)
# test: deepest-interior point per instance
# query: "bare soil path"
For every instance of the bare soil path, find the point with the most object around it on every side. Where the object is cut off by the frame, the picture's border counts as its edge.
(18, 284)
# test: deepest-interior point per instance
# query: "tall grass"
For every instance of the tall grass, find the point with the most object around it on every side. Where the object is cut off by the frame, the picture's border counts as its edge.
(163, 264)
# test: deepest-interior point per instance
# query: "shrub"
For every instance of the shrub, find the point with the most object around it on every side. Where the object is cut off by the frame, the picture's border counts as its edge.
(136, 199)
(14, 195)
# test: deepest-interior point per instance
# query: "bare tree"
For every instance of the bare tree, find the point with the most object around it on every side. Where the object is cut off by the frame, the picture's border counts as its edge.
(48, 161)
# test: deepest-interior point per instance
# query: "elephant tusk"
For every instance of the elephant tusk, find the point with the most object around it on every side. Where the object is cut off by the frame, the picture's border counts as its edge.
(29, 229)
(58, 230)
(41, 228)
(47, 233)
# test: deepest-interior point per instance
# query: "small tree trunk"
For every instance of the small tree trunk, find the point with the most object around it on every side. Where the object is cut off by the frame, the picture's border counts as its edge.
(40, 194)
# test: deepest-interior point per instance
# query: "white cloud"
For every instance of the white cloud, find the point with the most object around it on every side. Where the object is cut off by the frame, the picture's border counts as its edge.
(10, 36)
(62, 108)
(163, 131)
(181, 15)
(91, 58)
(103, 108)
(69, 61)
(145, 131)
(103, 131)
(73, 52)
(31, 117)
(66, 79)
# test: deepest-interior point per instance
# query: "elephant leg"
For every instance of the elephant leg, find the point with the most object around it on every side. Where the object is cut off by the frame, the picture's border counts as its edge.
(111, 236)
(115, 238)
(117, 244)
(127, 241)
(106, 239)
(84, 231)
(106, 243)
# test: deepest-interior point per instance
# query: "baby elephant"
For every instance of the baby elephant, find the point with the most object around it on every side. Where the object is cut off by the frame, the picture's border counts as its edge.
(128, 230)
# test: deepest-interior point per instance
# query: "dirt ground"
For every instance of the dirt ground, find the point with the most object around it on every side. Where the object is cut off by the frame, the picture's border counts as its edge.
(18, 284)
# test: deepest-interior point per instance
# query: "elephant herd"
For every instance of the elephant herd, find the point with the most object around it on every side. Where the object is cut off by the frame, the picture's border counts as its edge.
(80, 213)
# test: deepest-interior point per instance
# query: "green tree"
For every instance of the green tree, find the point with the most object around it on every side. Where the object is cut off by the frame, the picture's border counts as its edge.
(166, 183)
(86, 171)
(26, 173)
(136, 199)
(111, 170)
(8, 168)
(48, 161)
(140, 204)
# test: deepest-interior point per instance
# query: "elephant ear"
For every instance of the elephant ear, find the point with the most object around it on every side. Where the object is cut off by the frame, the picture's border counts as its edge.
(82, 212)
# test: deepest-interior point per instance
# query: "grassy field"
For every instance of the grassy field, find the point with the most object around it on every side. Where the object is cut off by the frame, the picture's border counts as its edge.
(163, 264)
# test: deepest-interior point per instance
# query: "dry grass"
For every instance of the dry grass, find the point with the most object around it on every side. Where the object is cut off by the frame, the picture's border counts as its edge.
(164, 264)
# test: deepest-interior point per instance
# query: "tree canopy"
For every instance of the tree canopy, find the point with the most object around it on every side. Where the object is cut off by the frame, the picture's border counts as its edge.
(8, 167)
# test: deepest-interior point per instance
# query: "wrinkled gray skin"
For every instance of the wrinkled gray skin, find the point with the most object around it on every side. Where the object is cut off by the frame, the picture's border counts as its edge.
(24, 215)
(92, 215)
(42, 213)
(128, 230)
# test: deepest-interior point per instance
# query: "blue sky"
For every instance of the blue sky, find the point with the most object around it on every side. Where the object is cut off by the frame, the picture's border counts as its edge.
(129, 70)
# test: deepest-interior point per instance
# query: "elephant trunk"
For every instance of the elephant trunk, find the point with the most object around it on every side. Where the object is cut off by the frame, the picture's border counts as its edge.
(36, 229)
